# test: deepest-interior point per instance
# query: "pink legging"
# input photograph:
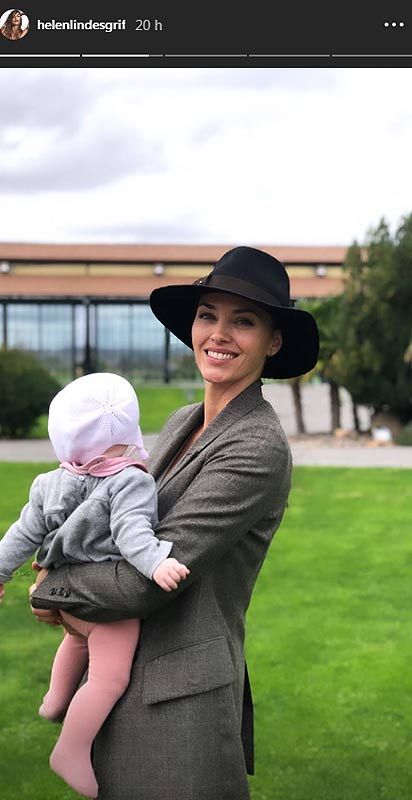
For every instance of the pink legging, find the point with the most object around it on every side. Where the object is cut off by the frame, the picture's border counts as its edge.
(107, 651)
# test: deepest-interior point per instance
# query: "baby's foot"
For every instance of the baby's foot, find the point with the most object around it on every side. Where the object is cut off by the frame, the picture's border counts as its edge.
(76, 769)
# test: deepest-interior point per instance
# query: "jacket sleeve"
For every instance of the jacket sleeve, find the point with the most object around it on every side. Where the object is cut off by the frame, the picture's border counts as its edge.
(23, 537)
(233, 490)
(133, 517)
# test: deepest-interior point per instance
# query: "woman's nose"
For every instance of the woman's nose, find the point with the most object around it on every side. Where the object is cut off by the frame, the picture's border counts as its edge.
(221, 333)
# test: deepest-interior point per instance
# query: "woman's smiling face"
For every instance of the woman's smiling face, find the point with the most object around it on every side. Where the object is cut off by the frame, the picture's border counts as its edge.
(232, 337)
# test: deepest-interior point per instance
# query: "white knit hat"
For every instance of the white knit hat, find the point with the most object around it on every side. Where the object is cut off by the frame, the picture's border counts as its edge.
(92, 414)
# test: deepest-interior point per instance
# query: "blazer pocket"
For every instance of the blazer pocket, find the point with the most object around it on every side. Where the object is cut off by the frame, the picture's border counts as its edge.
(189, 670)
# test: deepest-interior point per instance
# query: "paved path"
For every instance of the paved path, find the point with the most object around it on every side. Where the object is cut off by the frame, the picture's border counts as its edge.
(347, 456)
(39, 449)
(304, 453)
(316, 408)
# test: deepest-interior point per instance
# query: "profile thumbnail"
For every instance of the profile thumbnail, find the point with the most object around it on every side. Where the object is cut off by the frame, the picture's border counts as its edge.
(14, 24)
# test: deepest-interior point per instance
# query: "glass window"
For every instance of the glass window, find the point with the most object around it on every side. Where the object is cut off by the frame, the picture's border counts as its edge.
(44, 329)
(123, 337)
(129, 340)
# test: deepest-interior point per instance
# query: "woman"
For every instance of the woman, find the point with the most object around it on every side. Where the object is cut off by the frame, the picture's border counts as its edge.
(183, 730)
(13, 26)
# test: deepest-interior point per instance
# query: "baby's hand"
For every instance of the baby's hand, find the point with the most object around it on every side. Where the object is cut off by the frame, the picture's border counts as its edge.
(169, 573)
(1, 592)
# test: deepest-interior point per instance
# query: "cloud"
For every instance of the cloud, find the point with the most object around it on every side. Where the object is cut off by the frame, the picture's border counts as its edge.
(253, 155)
(57, 134)
(78, 129)
(39, 98)
(256, 78)
(86, 159)
(180, 230)
(261, 79)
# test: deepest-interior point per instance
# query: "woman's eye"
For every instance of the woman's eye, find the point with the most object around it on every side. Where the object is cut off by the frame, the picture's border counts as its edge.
(244, 321)
(205, 315)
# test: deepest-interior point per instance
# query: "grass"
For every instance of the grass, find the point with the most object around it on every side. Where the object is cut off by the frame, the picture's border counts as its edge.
(156, 403)
(329, 647)
(330, 641)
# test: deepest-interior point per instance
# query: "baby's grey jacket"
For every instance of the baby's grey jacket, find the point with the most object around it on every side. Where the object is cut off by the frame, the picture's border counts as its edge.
(81, 518)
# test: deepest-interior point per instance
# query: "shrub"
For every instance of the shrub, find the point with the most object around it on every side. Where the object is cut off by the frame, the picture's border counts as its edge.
(26, 389)
(405, 435)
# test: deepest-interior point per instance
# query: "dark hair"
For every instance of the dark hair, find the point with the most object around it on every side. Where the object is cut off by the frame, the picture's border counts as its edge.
(7, 28)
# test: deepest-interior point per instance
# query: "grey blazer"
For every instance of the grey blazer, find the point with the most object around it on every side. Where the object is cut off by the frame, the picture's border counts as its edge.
(177, 731)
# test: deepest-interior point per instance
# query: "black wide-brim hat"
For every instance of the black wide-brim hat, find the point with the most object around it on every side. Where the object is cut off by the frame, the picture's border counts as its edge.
(258, 276)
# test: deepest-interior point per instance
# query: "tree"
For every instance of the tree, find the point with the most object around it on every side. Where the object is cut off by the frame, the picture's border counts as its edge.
(327, 314)
(295, 385)
(375, 322)
(26, 389)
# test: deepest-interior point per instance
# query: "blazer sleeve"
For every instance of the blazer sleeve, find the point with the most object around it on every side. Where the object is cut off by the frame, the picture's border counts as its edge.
(235, 488)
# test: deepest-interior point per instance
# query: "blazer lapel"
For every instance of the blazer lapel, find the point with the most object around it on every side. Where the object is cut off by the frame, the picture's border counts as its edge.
(177, 435)
(240, 405)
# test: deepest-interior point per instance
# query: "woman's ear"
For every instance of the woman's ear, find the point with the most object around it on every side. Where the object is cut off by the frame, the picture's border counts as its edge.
(276, 343)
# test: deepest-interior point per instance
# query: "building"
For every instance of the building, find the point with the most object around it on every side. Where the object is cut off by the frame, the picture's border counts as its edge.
(84, 307)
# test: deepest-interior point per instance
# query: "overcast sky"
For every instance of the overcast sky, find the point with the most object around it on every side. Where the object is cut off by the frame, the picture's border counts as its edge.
(275, 156)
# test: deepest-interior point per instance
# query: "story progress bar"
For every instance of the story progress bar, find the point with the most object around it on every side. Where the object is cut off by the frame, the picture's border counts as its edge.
(205, 55)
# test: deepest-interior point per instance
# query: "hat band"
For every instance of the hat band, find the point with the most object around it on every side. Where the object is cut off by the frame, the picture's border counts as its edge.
(240, 286)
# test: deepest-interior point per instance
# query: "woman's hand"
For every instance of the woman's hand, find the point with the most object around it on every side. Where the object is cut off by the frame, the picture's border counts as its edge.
(52, 618)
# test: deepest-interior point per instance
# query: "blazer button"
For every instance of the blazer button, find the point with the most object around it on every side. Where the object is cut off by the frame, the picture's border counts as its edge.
(67, 593)
(53, 590)
(60, 592)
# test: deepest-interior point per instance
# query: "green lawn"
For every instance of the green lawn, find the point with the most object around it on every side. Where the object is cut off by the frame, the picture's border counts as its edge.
(156, 403)
(329, 647)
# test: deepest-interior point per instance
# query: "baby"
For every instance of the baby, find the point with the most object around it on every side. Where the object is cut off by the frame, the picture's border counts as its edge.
(100, 504)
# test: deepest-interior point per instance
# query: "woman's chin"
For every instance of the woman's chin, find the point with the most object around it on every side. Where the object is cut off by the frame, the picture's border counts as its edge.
(219, 376)
(217, 382)
(213, 374)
